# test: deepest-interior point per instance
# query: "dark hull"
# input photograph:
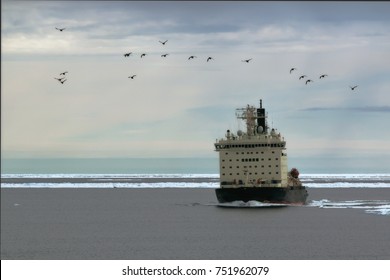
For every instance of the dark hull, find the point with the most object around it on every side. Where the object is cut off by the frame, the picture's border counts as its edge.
(295, 195)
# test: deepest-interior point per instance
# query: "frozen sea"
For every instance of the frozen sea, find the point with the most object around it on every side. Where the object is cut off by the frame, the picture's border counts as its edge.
(178, 180)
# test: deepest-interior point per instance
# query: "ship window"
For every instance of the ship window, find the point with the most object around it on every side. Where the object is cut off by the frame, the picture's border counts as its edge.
(277, 172)
(276, 158)
(231, 174)
(268, 173)
(257, 159)
(273, 152)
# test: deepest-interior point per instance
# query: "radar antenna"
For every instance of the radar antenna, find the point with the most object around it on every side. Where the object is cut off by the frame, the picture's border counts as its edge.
(249, 115)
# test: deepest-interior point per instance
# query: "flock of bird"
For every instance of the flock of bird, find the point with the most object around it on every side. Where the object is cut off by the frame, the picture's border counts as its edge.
(63, 79)
(322, 76)
(128, 54)
(164, 55)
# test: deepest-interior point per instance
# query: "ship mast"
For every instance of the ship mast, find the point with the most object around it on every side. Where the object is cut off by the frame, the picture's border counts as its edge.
(250, 115)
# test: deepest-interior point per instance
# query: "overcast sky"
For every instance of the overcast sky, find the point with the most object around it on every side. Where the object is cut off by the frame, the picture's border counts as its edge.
(175, 107)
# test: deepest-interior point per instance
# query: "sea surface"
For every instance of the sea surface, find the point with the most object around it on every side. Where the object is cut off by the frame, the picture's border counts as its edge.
(171, 173)
(207, 181)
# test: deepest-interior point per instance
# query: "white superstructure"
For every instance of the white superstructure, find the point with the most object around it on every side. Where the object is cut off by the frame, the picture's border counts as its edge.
(253, 158)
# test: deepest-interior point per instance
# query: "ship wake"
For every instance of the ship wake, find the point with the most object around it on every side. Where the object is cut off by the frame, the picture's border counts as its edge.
(250, 204)
(379, 207)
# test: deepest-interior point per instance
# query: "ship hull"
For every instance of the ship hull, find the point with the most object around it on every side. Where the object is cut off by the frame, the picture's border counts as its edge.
(289, 195)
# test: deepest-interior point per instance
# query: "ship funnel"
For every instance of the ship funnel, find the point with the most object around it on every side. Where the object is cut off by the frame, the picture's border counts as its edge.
(261, 122)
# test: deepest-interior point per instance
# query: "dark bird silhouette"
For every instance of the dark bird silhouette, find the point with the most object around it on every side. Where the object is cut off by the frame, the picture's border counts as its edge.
(63, 81)
(323, 76)
(192, 57)
(165, 55)
(59, 79)
(164, 42)
(132, 77)
(308, 81)
(353, 88)
(60, 29)
(142, 55)
(303, 76)
(292, 69)
(209, 58)
(127, 54)
(63, 73)
(246, 60)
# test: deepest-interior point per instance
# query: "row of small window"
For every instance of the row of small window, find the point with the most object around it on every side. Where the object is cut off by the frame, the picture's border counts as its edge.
(250, 153)
(262, 173)
(250, 159)
(250, 166)
(274, 145)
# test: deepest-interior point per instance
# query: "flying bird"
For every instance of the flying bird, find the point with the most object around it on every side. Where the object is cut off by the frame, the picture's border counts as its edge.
(165, 55)
(164, 42)
(63, 81)
(209, 58)
(323, 76)
(142, 55)
(353, 88)
(292, 69)
(308, 81)
(132, 77)
(60, 29)
(63, 73)
(192, 57)
(127, 54)
(303, 76)
(246, 60)
(59, 79)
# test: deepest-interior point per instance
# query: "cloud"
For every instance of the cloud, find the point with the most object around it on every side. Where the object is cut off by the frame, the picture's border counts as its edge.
(175, 102)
